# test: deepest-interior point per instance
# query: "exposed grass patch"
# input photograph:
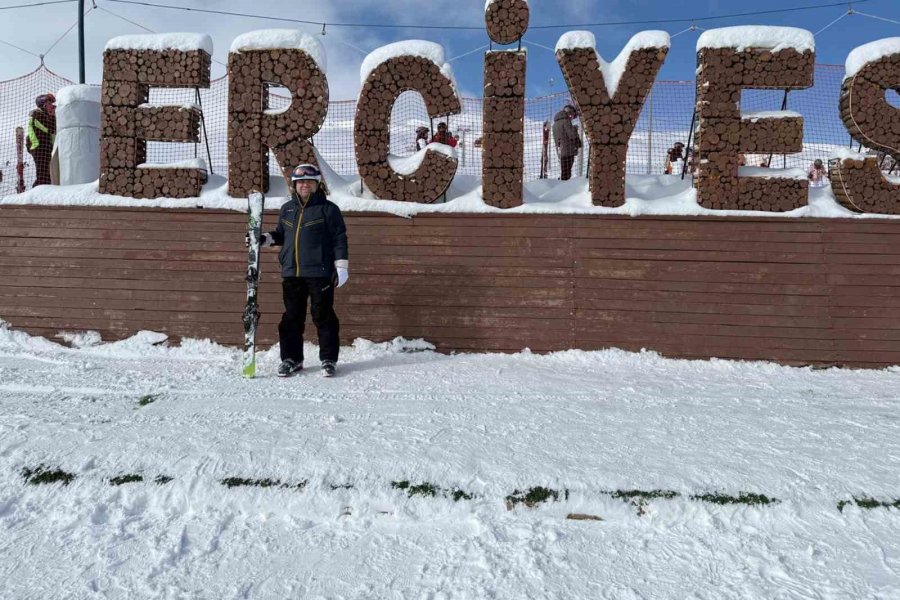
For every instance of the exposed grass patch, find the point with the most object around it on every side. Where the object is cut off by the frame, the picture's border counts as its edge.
(534, 496)
(122, 479)
(868, 503)
(644, 494)
(43, 474)
(430, 490)
(742, 498)
(233, 482)
(148, 399)
(162, 480)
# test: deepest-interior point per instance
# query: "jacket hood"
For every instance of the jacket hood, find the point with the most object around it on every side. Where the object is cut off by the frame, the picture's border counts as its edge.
(561, 115)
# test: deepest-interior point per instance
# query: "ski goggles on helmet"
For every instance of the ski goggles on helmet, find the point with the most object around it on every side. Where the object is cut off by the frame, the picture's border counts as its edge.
(306, 173)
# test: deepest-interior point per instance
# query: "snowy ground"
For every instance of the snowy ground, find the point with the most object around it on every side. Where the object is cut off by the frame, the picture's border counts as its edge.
(587, 422)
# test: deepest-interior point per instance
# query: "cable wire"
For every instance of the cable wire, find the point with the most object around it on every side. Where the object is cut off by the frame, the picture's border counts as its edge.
(37, 4)
(21, 49)
(66, 32)
(856, 12)
(481, 27)
(845, 14)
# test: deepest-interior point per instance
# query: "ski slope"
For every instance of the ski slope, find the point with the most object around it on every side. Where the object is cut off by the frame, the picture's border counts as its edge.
(590, 423)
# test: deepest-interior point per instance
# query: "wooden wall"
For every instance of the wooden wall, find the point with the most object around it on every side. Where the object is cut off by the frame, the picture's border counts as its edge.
(791, 290)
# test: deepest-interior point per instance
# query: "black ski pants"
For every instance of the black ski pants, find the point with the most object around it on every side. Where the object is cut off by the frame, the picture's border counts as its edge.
(565, 167)
(320, 293)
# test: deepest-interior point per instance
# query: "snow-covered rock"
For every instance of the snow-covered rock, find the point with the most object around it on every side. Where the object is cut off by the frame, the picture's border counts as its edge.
(613, 71)
(758, 36)
(186, 42)
(291, 39)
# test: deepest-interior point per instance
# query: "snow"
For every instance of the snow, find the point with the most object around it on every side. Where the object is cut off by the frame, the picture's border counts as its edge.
(487, 3)
(292, 39)
(407, 165)
(182, 106)
(645, 195)
(191, 163)
(185, 42)
(769, 173)
(860, 56)
(758, 36)
(846, 153)
(489, 424)
(753, 117)
(613, 71)
(421, 48)
(78, 93)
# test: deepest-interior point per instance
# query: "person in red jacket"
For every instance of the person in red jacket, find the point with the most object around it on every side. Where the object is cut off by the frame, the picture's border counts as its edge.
(41, 134)
(443, 136)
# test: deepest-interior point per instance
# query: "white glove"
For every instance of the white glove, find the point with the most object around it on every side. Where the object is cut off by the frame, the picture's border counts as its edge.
(266, 240)
(343, 271)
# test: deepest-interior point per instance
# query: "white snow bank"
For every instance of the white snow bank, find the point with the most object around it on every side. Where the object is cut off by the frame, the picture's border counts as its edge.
(78, 93)
(191, 163)
(407, 165)
(421, 48)
(186, 42)
(769, 114)
(613, 71)
(843, 153)
(758, 36)
(769, 173)
(871, 52)
(291, 39)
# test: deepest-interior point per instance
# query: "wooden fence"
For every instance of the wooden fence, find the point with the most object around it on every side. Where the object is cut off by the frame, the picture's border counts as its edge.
(819, 291)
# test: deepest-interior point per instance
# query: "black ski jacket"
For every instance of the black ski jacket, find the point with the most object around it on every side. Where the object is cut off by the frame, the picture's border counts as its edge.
(311, 236)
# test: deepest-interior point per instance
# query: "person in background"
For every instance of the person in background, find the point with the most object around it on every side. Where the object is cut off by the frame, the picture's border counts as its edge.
(567, 140)
(817, 175)
(443, 136)
(674, 154)
(421, 137)
(41, 133)
(764, 163)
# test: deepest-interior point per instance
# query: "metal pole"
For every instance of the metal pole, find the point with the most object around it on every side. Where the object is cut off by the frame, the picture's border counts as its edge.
(81, 41)
(650, 136)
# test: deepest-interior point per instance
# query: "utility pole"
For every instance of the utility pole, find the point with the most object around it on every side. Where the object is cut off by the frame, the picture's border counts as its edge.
(80, 41)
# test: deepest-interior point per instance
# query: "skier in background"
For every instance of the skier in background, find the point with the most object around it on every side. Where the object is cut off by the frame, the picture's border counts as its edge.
(443, 136)
(421, 137)
(41, 133)
(567, 140)
(314, 262)
(817, 175)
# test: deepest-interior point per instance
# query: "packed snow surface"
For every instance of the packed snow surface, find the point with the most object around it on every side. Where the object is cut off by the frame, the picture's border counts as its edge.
(293, 39)
(770, 173)
(743, 37)
(769, 114)
(186, 42)
(191, 163)
(77, 93)
(868, 53)
(407, 165)
(591, 423)
(613, 71)
(421, 48)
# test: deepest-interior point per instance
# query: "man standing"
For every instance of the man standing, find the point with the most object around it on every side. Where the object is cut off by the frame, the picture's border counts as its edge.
(313, 259)
(41, 133)
(567, 140)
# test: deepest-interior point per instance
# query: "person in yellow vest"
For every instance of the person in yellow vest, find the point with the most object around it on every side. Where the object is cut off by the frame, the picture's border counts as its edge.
(41, 134)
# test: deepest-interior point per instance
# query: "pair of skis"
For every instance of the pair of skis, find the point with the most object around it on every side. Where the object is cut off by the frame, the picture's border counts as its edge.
(255, 204)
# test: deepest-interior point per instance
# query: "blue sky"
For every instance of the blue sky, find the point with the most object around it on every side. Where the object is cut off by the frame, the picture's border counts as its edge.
(35, 29)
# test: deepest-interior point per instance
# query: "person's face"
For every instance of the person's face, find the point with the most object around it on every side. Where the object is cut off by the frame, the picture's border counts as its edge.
(306, 187)
(570, 113)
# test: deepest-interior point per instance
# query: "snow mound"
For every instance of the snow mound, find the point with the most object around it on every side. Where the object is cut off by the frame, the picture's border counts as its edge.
(758, 36)
(185, 42)
(769, 114)
(421, 48)
(868, 53)
(846, 153)
(407, 165)
(77, 93)
(613, 71)
(767, 173)
(290, 39)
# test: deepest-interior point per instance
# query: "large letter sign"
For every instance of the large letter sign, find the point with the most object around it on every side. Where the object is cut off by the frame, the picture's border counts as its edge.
(131, 65)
